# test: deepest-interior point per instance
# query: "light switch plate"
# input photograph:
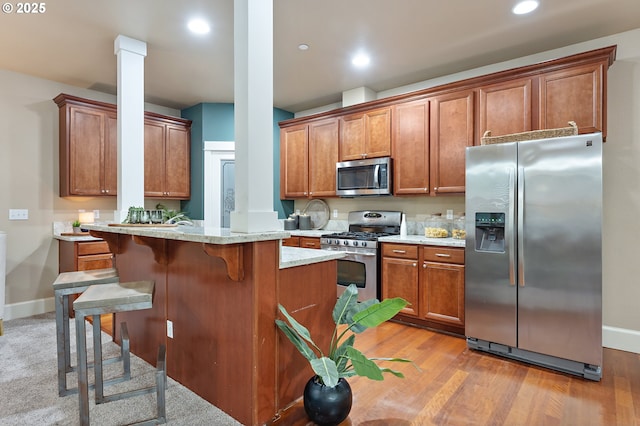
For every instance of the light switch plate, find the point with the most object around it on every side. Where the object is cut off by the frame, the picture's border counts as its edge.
(18, 214)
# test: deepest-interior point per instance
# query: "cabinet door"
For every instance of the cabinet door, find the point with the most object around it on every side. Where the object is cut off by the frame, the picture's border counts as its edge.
(352, 137)
(400, 279)
(86, 151)
(323, 156)
(411, 148)
(574, 94)
(452, 132)
(154, 160)
(442, 288)
(378, 133)
(294, 165)
(505, 108)
(177, 163)
(111, 155)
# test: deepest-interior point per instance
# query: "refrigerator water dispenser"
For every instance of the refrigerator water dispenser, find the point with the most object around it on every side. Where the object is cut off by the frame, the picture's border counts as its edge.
(490, 232)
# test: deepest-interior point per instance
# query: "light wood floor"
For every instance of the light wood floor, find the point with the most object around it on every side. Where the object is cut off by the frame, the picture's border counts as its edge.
(459, 386)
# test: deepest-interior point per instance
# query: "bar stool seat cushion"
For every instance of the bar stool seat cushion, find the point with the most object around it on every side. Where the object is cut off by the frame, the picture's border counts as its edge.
(85, 278)
(115, 297)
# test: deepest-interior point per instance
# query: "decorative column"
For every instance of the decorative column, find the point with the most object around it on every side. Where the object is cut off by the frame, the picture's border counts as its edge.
(131, 54)
(253, 111)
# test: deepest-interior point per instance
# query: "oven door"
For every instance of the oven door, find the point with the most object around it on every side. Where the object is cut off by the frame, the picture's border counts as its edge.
(359, 269)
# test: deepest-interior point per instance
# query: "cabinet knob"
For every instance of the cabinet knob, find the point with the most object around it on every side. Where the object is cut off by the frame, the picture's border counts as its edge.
(415, 264)
(424, 266)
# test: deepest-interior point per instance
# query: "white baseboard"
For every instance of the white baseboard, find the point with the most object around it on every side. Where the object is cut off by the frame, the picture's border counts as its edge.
(621, 338)
(29, 308)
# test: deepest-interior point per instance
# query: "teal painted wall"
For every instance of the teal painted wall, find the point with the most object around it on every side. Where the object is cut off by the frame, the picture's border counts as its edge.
(215, 122)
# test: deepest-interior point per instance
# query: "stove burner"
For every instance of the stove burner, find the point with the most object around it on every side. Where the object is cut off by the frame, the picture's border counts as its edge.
(352, 235)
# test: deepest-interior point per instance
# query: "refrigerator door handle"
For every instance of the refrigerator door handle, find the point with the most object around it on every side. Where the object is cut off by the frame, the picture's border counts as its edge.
(509, 225)
(521, 192)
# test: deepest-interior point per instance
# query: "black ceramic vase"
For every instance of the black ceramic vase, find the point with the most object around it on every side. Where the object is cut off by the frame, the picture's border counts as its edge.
(324, 405)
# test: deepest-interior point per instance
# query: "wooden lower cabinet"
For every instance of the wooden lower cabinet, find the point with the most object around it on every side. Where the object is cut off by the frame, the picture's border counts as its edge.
(84, 256)
(302, 242)
(431, 279)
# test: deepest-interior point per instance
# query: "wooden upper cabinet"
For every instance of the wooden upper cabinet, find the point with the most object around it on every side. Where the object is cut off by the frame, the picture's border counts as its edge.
(154, 159)
(452, 131)
(574, 94)
(178, 162)
(505, 107)
(294, 162)
(88, 149)
(166, 159)
(365, 134)
(308, 157)
(323, 156)
(411, 148)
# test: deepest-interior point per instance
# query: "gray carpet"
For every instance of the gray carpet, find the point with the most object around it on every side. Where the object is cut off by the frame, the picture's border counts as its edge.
(29, 387)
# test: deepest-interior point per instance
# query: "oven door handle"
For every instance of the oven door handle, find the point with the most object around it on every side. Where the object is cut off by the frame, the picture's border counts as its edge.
(359, 254)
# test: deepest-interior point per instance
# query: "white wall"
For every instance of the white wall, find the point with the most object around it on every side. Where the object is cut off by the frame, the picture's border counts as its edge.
(29, 179)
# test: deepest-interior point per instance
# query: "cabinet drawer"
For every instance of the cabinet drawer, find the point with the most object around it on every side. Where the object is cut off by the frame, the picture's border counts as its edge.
(95, 261)
(291, 242)
(92, 247)
(443, 255)
(310, 242)
(404, 251)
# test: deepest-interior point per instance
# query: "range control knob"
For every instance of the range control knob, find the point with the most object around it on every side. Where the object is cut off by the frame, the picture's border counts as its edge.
(345, 242)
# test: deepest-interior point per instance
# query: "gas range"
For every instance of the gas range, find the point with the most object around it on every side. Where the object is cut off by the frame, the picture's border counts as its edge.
(365, 227)
(361, 263)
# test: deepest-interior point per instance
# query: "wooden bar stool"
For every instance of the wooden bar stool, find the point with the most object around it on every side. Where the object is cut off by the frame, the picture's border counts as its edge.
(105, 299)
(65, 285)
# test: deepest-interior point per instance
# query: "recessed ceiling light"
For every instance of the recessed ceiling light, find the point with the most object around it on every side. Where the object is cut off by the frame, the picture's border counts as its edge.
(198, 26)
(303, 46)
(361, 60)
(525, 6)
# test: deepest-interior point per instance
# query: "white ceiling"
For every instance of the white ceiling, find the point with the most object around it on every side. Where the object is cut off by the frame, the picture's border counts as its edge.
(409, 41)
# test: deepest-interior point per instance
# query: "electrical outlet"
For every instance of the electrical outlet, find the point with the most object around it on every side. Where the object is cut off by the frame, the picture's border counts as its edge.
(96, 214)
(18, 214)
(170, 329)
(335, 213)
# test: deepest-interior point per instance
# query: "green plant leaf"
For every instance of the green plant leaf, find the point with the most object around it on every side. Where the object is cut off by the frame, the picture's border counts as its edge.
(326, 369)
(297, 341)
(364, 366)
(300, 329)
(358, 307)
(345, 303)
(395, 373)
(340, 356)
(376, 314)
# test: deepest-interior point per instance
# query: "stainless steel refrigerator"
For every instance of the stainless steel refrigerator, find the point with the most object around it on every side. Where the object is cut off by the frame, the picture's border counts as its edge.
(533, 266)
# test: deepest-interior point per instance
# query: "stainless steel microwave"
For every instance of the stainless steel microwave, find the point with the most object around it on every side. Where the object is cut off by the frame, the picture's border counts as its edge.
(364, 177)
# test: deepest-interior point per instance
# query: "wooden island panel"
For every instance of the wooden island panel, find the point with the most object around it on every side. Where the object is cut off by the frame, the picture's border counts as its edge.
(225, 345)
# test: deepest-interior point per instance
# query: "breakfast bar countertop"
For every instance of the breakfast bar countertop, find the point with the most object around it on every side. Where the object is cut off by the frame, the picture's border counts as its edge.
(196, 234)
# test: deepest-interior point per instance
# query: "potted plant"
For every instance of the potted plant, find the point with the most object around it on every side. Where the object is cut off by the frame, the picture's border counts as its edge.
(327, 395)
(76, 226)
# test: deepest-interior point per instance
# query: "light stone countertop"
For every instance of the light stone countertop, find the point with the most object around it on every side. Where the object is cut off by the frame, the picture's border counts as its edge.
(75, 238)
(422, 240)
(193, 233)
(294, 256)
(310, 233)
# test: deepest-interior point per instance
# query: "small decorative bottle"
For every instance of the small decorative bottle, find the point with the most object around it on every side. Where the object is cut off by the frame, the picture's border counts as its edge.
(403, 226)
